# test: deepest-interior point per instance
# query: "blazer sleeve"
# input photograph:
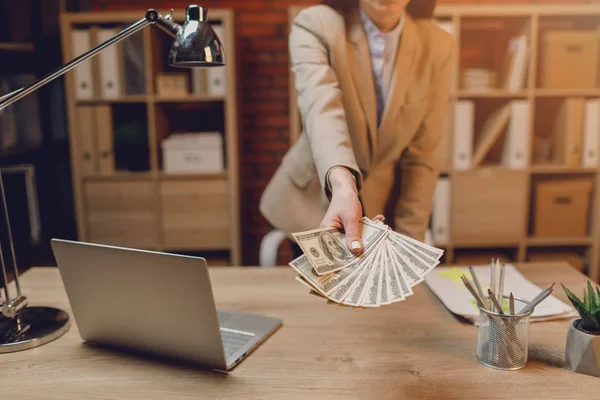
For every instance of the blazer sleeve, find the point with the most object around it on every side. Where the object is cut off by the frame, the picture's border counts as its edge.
(418, 170)
(320, 99)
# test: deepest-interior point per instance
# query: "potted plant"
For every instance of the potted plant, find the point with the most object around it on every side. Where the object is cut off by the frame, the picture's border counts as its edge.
(582, 350)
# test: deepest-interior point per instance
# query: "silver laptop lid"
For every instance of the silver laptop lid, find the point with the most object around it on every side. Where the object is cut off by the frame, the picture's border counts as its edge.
(145, 301)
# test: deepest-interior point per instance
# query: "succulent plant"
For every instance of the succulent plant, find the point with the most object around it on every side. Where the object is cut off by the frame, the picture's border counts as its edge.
(588, 308)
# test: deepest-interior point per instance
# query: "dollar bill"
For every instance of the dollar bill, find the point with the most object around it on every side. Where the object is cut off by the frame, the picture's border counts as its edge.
(354, 294)
(342, 289)
(423, 248)
(416, 264)
(403, 265)
(326, 247)
(404, 286)
(369, 296)
(383, 285)
(323, 284)
(383, 273)
(394, 290)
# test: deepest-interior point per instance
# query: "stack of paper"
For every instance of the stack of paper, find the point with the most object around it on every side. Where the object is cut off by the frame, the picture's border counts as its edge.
(446, 284)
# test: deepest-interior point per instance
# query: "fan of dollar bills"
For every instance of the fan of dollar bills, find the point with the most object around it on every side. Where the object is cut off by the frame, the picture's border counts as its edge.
(384, 272)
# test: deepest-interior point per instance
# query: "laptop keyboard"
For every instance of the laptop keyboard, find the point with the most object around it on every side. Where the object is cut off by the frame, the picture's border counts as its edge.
(233, 340)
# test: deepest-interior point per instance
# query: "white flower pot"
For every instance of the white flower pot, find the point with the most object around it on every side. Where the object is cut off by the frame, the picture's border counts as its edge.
(582, 351)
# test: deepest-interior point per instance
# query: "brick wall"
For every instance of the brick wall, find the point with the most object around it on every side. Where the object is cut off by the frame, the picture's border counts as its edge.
(262, 58)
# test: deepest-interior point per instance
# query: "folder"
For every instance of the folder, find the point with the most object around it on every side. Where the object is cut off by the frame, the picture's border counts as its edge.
(84, 82)
(440, 215)
(85, 119)
(591, 131)
(217, 76)
(134, 60)
(568, 132)
(516, 152)
(516, 63)
(464, 111)
(493, 127)
(108, 61)
(104, 139)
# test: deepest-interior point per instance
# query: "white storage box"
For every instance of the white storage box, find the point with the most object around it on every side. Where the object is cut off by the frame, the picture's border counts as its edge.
(193, 153)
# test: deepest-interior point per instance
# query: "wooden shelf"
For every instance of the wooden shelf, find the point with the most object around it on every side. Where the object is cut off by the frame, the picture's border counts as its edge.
(516, 10)
(558, 169)
(485, 245)
(18, 47)
(490, 94)
(116, 100)
(182, 176)
(187, 99)
(165, 212)
(119, 176)
(558, 241)
(567, 92)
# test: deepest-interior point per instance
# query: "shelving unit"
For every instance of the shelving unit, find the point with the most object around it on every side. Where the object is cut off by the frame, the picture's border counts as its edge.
(122, 194)
(480, 222)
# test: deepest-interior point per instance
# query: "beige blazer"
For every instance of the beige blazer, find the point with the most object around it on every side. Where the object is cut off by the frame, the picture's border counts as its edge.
(395, 162)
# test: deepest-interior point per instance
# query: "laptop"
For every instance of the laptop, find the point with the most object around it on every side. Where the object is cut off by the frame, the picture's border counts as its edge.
(156, 303)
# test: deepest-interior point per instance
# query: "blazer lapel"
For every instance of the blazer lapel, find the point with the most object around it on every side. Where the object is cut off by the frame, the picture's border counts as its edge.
(401, 76)
(360, 60)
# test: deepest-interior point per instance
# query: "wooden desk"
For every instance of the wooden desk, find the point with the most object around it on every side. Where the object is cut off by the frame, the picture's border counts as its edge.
(410, 350)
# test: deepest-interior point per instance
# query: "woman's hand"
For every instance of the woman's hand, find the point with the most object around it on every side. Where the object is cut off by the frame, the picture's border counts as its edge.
(345, 210)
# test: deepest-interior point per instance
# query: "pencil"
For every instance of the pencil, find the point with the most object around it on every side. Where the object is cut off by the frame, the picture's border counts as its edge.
(512, 304)
(495, 301)
(501, 286)
(473, 292)
(476, 282)
(492, 281)
(538, 299)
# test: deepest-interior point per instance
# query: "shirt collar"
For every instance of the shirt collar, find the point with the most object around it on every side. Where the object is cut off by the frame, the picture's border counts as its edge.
(372, 29)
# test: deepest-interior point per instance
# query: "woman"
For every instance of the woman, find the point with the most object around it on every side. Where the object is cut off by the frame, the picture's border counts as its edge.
(373, 79)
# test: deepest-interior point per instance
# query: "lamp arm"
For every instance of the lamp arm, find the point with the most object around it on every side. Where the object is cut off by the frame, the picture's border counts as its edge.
(165, 23)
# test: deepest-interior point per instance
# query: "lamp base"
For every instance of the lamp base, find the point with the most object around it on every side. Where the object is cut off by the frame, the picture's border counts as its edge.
(34, 326)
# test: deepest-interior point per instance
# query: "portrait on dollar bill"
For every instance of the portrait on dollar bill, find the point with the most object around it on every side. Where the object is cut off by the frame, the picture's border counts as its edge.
(333, 249)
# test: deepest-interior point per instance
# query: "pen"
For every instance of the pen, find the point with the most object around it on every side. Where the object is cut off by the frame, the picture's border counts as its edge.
(495, 301)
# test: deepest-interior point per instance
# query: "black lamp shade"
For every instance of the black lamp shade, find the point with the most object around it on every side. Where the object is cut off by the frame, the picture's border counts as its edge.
(196, 44)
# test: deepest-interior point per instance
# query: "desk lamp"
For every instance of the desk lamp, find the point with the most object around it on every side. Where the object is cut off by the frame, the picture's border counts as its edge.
(195, 44)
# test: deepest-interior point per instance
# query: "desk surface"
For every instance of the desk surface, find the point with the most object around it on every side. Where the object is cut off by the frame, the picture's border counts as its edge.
(409, 350)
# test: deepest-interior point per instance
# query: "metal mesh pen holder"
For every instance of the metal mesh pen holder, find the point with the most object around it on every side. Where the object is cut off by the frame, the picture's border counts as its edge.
(503, 340)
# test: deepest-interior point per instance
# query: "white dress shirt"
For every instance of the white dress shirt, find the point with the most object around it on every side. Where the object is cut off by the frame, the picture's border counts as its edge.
(383, 47)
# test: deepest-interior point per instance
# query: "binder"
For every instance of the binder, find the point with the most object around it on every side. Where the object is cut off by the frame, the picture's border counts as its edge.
(516, 152)
(516, 63)
(464, 112)
(568, 132)
(84, 81)
(108, 61)
(440, 215)
(85, 119)
(217, 76)
(492, 129)
(134, 70)
(104, 139)
(591, 131)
